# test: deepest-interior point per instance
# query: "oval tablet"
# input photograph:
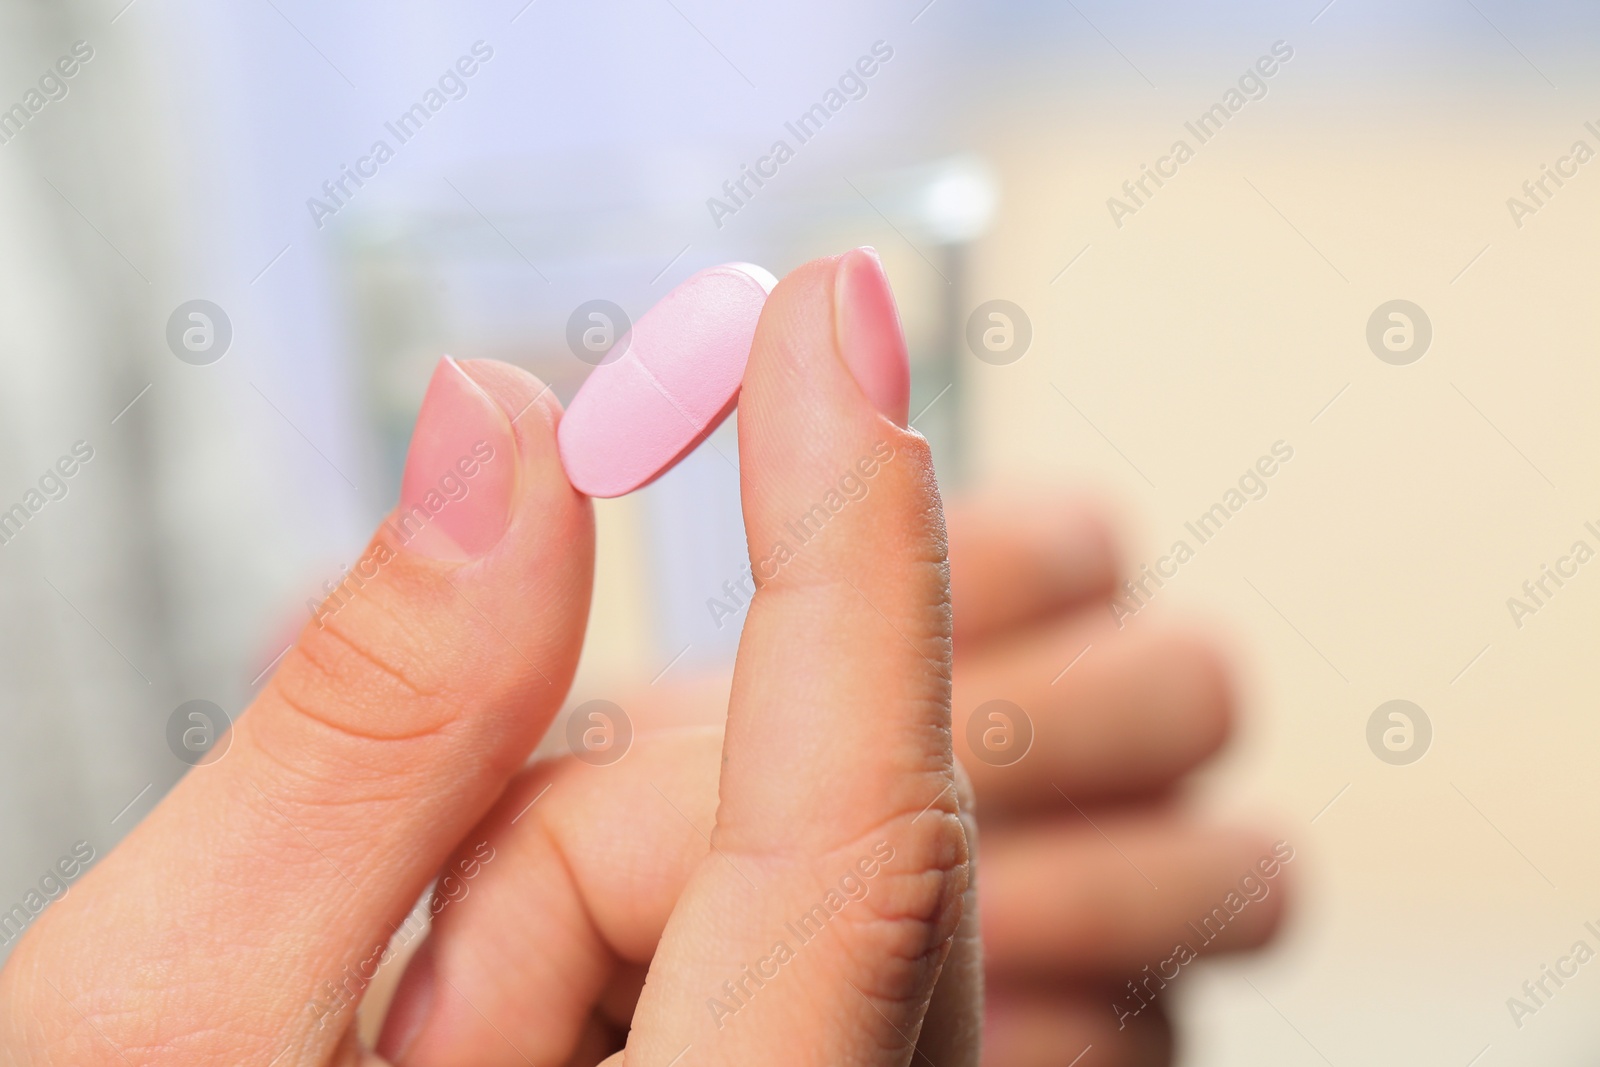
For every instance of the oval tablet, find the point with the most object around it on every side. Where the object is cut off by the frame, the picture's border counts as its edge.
(635, 417)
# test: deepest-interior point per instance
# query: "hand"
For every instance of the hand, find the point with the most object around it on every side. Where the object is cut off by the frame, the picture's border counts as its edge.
(1091, 872)
(223, 929)
(1078, 833)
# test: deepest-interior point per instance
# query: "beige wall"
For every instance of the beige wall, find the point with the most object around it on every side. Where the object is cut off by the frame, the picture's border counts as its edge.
(1379, 563)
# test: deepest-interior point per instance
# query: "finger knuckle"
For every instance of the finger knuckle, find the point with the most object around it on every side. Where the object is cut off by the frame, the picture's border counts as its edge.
(910, 907)
(365, 672)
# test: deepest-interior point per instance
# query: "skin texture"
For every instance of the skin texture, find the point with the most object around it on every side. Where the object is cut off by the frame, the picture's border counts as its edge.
(390, 731)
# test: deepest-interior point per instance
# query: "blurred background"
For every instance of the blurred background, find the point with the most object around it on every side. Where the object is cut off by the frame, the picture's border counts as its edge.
(1163, 338)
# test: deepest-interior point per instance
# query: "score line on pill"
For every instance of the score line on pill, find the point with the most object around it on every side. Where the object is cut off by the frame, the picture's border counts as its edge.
(636, 416)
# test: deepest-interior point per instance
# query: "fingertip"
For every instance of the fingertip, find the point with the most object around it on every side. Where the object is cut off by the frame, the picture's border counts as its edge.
(1197, 688)
(411, 1006)
(1095, 529)
(815, 449)
(868, 333)
(530, 404)
(1271, 842)
(1265, 860)
(547, 512)
(830, 345)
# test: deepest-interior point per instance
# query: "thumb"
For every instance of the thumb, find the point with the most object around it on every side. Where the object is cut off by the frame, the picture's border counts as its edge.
(821, 920)
(272, 880)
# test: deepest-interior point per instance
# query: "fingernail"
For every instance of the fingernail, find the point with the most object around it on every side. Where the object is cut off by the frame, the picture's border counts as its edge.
(869, 334)
(408, 1011)
(455, 496)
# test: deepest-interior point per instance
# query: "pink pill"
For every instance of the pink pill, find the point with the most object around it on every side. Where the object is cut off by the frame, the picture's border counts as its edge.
(635, 417)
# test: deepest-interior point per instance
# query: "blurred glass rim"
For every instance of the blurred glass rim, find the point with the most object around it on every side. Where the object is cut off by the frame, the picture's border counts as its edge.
(944, 202)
